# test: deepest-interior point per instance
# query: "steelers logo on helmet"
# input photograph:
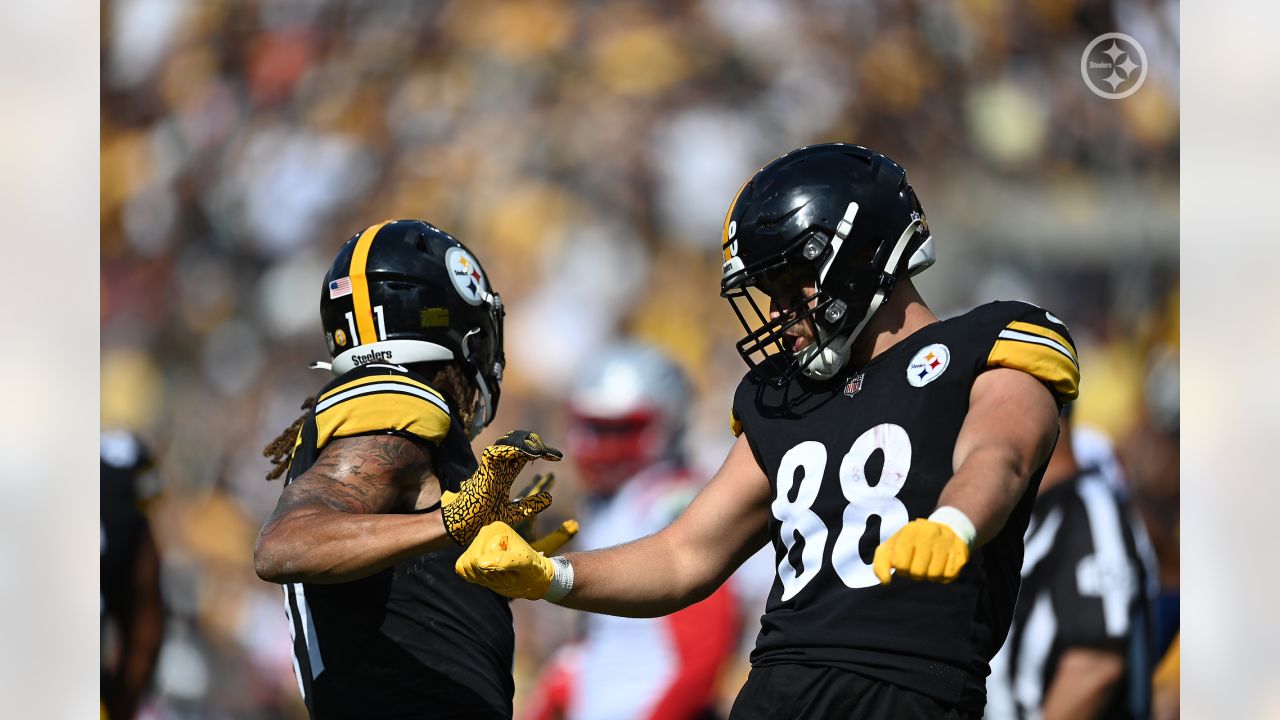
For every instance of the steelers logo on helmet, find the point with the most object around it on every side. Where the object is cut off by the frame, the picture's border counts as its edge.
(466, 275)
(340, 337)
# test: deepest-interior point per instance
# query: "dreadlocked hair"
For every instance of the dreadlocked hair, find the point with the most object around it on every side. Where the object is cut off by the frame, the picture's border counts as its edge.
(447, 377)
(280, 450)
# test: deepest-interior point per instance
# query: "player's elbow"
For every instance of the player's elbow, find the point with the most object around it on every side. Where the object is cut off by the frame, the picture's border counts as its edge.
(270, 561)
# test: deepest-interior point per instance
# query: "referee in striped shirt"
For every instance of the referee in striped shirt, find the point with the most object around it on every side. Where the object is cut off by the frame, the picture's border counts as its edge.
(1079, 646)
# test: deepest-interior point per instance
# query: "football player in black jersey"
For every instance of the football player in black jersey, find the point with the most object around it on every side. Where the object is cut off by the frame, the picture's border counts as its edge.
(383, 491)
(891, 459)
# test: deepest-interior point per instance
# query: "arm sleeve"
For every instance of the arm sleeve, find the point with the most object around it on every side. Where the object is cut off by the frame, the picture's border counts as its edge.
(384, 403)
(1036, 342)
(1094, 581)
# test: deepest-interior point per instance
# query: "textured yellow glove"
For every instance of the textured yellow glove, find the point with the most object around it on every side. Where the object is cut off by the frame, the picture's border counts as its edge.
(922, 550)
(504, 562)
(483, 497)
(554, 540)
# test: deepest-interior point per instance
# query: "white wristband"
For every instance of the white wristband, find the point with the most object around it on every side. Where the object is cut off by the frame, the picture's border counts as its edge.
(957, 521)
(561, 581)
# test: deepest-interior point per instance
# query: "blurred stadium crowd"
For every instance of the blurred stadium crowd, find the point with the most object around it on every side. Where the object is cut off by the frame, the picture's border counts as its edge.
(587, 152)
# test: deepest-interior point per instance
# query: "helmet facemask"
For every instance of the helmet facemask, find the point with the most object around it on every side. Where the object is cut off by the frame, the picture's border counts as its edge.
(486, 362)
(843, 214)
(840, 308)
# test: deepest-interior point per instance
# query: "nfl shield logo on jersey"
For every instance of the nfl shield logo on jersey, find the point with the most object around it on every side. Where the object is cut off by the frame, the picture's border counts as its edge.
(852, 387)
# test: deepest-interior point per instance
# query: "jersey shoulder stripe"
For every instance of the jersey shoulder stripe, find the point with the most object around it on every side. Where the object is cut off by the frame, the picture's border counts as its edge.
(735, 425)
(1029, 332)
(1034, 341)
(381, 402)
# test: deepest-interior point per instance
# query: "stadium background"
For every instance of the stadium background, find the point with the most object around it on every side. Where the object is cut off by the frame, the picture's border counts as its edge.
(587, 153)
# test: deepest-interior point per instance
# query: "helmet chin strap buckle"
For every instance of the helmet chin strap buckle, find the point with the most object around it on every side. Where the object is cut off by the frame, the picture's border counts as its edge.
(835, 311)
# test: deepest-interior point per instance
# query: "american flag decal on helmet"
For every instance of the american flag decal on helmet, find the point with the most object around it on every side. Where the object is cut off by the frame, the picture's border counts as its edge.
(339, 288)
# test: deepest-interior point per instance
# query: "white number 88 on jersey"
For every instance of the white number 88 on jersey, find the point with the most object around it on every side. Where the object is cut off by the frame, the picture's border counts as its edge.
(798, 518)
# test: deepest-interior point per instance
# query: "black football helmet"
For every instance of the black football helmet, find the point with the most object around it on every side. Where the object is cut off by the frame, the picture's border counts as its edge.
(405, 291)
(843, 213)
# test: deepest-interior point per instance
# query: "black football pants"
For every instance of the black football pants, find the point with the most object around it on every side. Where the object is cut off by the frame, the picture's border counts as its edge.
(794, 692)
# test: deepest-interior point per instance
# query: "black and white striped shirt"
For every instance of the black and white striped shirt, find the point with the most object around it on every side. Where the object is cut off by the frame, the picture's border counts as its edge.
(1083, 585)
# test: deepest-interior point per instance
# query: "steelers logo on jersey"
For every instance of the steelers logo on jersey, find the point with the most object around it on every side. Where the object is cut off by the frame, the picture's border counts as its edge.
(465, 273)
(928, 364)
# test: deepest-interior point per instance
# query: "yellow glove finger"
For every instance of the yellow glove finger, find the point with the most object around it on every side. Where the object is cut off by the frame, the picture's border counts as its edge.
(540, 483)
(554, 540)
(904, 550)
(525, 443)
(517, 512)
(938, 562)
(956, 560)
(882, 565)
(922, 559)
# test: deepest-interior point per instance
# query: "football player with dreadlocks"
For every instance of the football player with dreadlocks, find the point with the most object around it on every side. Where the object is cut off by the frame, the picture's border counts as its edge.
(889, 457)
(382, 489)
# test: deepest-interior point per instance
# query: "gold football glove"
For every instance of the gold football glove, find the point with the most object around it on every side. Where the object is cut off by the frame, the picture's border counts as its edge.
(483, 497)
(554, 540)
(504, 562)
(922, 550)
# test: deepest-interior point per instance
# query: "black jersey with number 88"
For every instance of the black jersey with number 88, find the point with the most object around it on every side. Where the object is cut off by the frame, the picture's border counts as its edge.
(853, 459)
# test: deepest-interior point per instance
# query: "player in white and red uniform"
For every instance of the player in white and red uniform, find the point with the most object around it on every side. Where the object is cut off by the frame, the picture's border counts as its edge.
(627, 421)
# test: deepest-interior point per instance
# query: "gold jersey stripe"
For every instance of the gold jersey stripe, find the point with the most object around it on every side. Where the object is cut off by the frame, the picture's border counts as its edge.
(380, 412)
(1043, 363)
(735, 425)
(378, 378)
(360, 285)
(1045, 332)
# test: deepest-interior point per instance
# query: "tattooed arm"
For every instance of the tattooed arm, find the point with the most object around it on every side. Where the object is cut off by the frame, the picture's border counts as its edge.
(336, 522)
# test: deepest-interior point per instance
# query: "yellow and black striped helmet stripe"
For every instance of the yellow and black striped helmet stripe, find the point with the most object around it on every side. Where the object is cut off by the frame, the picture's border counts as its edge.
(365, 323)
